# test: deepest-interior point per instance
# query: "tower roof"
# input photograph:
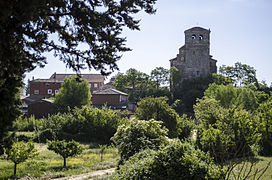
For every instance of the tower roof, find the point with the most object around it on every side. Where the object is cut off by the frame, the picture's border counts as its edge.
(197, 29)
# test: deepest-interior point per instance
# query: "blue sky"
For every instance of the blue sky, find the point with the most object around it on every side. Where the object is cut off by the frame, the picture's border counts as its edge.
(241, 30)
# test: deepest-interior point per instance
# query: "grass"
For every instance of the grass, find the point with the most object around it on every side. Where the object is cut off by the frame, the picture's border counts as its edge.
(50, 165)
(250, 167)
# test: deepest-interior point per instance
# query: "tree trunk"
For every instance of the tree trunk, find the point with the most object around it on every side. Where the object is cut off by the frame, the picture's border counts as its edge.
(15, 166)
(64, 162)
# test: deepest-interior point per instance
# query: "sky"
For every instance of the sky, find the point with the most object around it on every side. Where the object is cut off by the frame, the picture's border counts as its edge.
(241, 31)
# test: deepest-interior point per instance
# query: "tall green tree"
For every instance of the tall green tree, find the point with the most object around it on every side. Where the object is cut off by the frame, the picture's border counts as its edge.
(26, 29)
(240, 74)
(230, 96)
(160, 76)
(73, 93)
(158, 109)
(132, 82)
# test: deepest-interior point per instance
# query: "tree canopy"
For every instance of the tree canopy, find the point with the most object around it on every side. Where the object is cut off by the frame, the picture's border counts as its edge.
(72, 94)
(81, 33)
(240, 74)
(160, 76)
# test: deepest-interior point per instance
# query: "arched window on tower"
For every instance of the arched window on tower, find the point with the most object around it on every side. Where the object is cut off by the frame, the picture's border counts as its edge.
(193, 36)
(200, 37)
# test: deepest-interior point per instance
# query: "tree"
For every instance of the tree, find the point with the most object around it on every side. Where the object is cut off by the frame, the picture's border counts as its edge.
(65, 149)
(240, 74)
(27, 88)
(158, 109)
(72, 94)
(133, 82)
(28, 28)
(20, 152)
(160, 76)
(230, 96)
(265, 127)
(136, 135)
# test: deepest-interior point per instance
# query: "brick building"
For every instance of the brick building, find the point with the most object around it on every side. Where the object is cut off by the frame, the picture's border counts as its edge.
(45, 88)
(110, 97)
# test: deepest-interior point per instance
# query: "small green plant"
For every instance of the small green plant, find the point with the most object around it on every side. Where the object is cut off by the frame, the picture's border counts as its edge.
(20, 152)
(65, 149)
(102, 151)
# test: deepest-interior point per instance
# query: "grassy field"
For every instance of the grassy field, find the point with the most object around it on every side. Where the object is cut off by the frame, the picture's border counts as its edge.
(49, 165)
(247, 170)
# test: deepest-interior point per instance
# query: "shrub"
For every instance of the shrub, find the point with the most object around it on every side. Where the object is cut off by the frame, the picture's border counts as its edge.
(175, 161)
(136, 135)
(158, 109)
(65, 149)
(20, 152)
(265, 128)
(231, 136)
(26, 124)
(82, 124)
(185, 127)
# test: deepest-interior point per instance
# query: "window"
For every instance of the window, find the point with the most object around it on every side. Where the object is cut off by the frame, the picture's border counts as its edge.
(49, 91)
(200, 37)
(193, 36)
(56, 91)
(36, 91)
(90, 85)
(95, 85)
(197, 73)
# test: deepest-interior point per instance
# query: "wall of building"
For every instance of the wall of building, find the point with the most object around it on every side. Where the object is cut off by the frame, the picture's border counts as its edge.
(39, 109)
(43, 88)
(109, 99)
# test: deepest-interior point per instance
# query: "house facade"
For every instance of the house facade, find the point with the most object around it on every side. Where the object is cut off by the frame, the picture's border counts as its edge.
(110, 97)
(46, 88)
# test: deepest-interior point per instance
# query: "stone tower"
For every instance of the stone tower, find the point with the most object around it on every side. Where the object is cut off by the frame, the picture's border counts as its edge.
(194, 59)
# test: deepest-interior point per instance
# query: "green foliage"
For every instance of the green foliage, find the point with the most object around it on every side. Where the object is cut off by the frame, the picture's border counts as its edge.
(65, 149)
(233, 97)
(265, 128)
(73, 93)
(158, 109)
(208, 111)
(231, 135)
(20, 152)
(82, 124)
(133, 82)
(160, 76)
(26, 124)
(185, 126)
(153, 92)
(102, 151)
(240, 74)
(175, 161)
(136, 135)
(27, 28)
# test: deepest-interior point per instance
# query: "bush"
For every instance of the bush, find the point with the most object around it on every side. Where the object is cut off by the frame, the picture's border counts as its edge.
(26, 124)
(175, 161)
(265, 128)
(158, 109)
(136, 135)
(82, 124)
(185, 127)
(229, 137)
